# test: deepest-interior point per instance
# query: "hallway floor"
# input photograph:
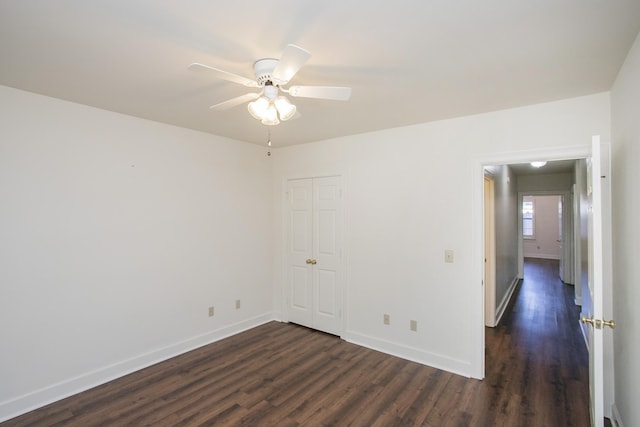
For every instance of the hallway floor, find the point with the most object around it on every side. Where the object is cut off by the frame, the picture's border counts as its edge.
(536, 359)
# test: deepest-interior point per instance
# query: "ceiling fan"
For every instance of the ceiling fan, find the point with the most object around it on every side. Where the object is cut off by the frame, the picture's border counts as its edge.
(271, 77)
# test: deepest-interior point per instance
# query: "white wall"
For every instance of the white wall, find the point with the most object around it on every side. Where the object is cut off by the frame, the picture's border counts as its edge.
(546, 229)
(545, 183)
(506, 236)
(625, 178)
(415, 191)
(581, 232)
(116, 234)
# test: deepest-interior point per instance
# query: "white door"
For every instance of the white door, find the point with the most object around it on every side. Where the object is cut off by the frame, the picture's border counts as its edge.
(314, 253)
(489, 253)
(299, 250)
(592, 308)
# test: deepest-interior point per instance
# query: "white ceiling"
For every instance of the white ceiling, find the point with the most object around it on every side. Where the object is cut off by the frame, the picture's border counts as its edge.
(408, 61)
(552, 167)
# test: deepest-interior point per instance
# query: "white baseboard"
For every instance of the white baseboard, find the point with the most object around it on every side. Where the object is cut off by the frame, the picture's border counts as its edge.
(434, 360)
(616, 419)
(505, 300)
(22, 404)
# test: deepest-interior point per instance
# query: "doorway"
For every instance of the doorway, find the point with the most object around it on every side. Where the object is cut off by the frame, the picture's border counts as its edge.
(547, 222)
(506, 188)
(477, 367)
(575, 194)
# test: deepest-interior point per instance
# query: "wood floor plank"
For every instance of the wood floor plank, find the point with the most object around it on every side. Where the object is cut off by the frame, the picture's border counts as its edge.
(287, 375)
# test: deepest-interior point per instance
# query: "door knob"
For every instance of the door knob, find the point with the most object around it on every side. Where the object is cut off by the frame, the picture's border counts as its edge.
(597, 323)
(609, 323)
(311, 261)
(584, 319)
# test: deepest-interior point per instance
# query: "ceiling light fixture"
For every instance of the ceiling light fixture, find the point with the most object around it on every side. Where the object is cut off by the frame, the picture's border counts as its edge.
(271, 75)
(538, 164)
(270, 107)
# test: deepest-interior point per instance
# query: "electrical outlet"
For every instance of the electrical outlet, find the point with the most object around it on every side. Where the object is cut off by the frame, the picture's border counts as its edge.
(210, 311)
(413, 325)
(385, 319)
(237, 304)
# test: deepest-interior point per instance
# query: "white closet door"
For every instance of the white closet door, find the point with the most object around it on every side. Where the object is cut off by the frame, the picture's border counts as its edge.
(326, 249)
(315, 258)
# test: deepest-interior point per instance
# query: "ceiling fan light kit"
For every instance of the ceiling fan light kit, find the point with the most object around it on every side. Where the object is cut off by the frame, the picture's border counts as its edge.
(271, 75)
(270, 108)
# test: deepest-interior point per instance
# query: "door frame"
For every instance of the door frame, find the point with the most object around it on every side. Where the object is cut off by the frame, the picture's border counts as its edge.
(284, 292)
(552, 153)
(477, 315)
(563, 195)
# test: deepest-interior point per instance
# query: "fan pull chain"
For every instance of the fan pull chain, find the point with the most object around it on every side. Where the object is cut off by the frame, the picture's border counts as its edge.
(269, 141)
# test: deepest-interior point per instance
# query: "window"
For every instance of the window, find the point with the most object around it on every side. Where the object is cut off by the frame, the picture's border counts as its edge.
(528, 219)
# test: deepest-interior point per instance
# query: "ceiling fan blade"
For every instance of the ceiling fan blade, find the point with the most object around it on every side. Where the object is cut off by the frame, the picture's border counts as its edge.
(292, 59)
(221, 74)
(234, 101)
(322, 92)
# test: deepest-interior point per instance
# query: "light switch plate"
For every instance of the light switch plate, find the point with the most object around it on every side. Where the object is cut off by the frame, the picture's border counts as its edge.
(448, 255)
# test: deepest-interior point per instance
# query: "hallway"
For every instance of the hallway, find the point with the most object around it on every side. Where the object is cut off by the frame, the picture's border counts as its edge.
(536, 359)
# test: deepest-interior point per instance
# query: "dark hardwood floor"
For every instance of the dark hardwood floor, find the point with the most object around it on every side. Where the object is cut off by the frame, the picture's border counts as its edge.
(287, 375)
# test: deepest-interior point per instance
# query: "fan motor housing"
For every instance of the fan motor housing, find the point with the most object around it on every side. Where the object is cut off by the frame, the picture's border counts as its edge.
(263, 69)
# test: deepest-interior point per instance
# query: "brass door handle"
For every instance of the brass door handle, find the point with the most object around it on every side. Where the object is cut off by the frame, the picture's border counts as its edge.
(584, 319)
(311, 261)
(597, 323)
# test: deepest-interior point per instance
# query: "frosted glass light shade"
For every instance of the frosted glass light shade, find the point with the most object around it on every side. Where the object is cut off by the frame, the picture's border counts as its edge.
(271, 116)
(285, 108)
(271, 110)
(538, 164)
(258, 108)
